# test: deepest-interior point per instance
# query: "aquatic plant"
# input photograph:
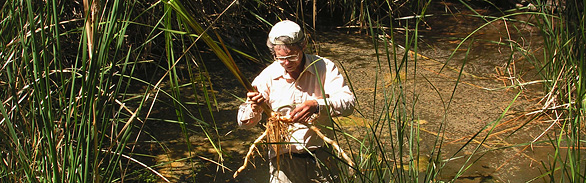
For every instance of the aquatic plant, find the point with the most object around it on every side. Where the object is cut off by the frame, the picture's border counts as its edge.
(64, 117)
(75, 102)
(563, 65)
(82, 82)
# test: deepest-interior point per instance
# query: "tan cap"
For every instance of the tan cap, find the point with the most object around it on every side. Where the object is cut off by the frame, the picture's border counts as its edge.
(286, 28)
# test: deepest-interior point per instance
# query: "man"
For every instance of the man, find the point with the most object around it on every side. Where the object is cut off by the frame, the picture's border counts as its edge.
(292, 85)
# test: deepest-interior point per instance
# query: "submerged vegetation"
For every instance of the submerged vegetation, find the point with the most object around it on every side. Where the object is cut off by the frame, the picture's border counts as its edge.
(82, 81)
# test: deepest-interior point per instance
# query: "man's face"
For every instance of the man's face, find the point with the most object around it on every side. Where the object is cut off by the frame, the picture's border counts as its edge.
(289, 57)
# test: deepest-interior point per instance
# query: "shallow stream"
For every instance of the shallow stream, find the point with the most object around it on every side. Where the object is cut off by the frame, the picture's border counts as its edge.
(452, 98)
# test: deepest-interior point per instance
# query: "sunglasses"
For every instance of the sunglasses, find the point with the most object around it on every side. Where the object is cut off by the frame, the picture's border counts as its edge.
(290, 58)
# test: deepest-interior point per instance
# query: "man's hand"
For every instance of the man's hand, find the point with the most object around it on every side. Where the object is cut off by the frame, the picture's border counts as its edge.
(303, 113)
(255, 99)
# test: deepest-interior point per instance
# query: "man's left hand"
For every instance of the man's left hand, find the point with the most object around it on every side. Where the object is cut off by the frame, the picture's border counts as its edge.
(303, 113)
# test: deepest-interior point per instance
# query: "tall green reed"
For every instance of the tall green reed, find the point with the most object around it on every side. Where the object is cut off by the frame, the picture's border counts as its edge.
(69, 102)
(560, 65)
(563, 63)
(68, 108)
(561, 68)
(59, 107)
(390, 149)
(73, 86)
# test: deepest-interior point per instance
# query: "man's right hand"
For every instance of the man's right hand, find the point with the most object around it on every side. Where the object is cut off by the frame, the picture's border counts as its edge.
(255, 99)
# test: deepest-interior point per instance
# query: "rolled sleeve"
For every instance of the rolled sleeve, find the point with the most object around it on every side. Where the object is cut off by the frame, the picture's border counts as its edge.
(246, 117)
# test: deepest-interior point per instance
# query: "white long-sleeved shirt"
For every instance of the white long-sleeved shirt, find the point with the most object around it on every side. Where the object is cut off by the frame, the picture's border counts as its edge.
(280, 89)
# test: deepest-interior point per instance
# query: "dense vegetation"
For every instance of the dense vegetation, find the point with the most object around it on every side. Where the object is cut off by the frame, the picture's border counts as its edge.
(79, 79)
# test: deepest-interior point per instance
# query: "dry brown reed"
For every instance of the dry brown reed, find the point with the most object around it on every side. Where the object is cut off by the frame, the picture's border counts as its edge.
(277, 134)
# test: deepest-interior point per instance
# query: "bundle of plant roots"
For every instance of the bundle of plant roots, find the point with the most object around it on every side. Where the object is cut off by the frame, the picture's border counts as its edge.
(277, 134)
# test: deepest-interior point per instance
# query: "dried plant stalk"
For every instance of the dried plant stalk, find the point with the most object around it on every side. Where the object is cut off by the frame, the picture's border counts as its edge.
(336, 146)
(249, 154)
(277, 132)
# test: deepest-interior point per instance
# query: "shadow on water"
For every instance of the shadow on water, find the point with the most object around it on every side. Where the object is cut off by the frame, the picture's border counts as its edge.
(473, 105)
